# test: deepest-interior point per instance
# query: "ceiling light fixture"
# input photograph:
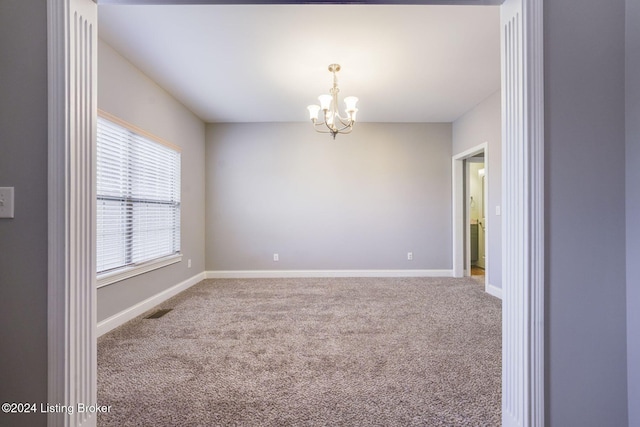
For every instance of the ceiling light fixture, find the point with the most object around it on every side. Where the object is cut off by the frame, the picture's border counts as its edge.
(332, 121)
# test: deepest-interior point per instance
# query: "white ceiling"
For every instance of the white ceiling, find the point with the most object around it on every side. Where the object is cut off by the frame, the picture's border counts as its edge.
(266, 63)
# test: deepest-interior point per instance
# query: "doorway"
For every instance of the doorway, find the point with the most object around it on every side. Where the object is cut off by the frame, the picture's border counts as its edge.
(523, 252)
(475, 221)
(471, 238)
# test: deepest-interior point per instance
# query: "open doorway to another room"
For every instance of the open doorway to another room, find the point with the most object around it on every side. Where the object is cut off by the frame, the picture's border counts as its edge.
(470, 171)
(476, 217)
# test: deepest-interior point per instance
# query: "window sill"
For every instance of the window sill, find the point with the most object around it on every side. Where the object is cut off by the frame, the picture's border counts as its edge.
(128, 272)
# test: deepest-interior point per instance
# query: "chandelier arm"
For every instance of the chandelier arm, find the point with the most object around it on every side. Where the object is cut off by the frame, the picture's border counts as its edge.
(323, 131)
(331, 128)
(348, 131)
(348, 122)
(344, 130)
(318, 128)
(341, 130)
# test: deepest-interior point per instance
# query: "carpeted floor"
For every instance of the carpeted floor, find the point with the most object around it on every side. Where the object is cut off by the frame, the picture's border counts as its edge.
(309, 352)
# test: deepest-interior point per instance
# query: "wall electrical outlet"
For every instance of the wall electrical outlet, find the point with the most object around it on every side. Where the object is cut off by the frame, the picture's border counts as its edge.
(410, 256)
(276, 257)
(6, 202)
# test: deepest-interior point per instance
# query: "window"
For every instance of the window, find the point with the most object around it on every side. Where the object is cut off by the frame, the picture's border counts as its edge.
(138, 201)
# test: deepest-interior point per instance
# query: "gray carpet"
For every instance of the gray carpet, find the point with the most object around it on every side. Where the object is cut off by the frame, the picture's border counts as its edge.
(309, 352)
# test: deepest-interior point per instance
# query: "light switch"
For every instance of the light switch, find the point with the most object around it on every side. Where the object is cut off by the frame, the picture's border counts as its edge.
(6, 202)
(498, 210)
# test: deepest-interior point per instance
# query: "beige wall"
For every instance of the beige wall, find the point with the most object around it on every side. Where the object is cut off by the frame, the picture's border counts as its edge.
(130, 95)
(23, 239)
(360, 202)
(585, 322)
(483, 123)
(632, 155)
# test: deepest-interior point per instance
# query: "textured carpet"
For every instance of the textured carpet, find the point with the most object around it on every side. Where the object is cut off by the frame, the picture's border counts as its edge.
(309, 352)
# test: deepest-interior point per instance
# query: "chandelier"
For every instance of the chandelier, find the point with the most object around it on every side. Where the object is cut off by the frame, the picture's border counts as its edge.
(332, 122)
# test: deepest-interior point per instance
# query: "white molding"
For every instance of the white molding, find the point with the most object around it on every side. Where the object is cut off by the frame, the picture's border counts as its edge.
(457, 218)
(493, 290)
(128, 272)
(523, 214)
(134, 311)
(470, 152)
(263, 274)
(72, 94)
(56, 287)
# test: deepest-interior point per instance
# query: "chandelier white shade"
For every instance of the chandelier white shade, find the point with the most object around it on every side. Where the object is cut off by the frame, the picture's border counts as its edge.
(331, 120)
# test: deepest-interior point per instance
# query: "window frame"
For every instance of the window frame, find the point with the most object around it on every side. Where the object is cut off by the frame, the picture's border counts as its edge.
(125, 272)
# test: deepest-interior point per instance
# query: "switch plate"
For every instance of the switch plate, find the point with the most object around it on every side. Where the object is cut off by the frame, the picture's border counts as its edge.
(410, 256)
(189, 264)
(276, 257)
(6, 202)
(498, 210)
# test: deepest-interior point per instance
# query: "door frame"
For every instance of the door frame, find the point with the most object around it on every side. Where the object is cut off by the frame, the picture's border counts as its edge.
(71, 292)
(468, 207)
(460, 213)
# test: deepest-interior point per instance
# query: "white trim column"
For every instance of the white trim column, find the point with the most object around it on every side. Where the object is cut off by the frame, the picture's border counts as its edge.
(523, 214)
(72, 81)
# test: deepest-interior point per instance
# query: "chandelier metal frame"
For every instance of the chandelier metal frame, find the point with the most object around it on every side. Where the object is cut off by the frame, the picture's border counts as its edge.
(332, 122)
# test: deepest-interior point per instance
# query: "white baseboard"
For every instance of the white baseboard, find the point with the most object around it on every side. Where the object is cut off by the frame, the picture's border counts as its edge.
(493, 290)
(262, 274)
(136, 310)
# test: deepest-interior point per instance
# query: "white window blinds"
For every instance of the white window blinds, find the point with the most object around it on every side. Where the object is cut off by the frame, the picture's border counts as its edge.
(138, 198)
